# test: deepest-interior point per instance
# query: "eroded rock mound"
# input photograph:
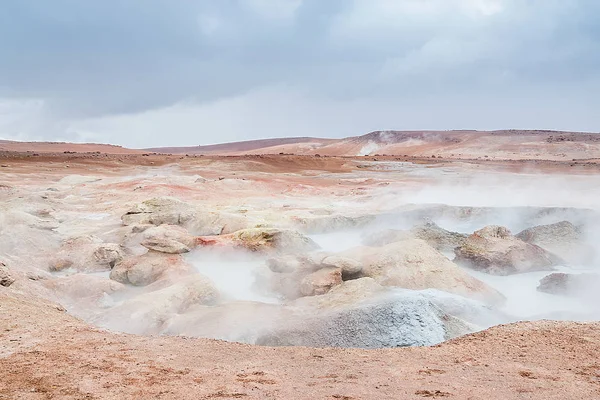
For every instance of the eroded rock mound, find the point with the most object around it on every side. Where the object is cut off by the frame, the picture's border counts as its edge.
(350, 268)
(263, 240)
(148, 268)
(345, 294)
(563, 239)
(392, 321)
(87, 253)
(576, 285)
(6, 278)
(321, 281)
(330, 223)
(171, 239)
(437, 237)
(207, 223)
(286, 274)
(495, 250)
(158, 211)
(413, 264)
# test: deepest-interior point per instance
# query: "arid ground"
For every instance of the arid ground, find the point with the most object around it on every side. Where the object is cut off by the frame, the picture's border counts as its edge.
(458, 265)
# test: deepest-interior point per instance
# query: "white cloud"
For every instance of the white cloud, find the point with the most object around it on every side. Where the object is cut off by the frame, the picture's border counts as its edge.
(209, 23)
(484, 7)
(275, 10)
(372, 17)
(266, 68)
(282, 111)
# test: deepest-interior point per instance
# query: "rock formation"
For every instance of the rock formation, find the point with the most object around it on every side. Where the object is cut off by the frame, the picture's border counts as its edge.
(576, 285)
(495, 250)
(563, 239)
(148, 268)
(413, 264)
(87, 253)
(171, 239)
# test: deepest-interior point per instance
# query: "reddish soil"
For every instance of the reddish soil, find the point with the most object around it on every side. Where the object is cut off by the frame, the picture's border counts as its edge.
(47, 354)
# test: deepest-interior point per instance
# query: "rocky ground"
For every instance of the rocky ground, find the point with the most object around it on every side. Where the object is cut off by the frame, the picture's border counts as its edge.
(118, 268)
(47, 354)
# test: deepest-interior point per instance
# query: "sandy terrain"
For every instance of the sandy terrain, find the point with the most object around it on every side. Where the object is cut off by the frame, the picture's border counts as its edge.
(46, 354)
(54, 336)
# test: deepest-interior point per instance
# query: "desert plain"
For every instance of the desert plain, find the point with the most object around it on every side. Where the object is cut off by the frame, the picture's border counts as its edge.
(393, 265)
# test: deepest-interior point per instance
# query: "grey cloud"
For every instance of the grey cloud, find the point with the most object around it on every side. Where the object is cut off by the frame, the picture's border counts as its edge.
(93, 61)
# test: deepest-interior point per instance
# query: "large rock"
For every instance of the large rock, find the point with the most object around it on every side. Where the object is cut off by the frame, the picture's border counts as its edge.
(386, 321)
(287, 276)
(413, 264)
(330, 223)
(321, 281)
(207, 223)
(437, 237)
(149, 313)
(584, 285)
(495, 250)
(263, 240)
(158, 211)
(170, 239)
(349, 267)
(563, 239)
(284, 264)
(148, 268)
(87, 254)
(306, 263)
(6, 278)
(346, 294)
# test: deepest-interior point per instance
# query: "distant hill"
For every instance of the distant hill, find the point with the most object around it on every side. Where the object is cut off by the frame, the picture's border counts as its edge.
(501, 144)
(457, 144)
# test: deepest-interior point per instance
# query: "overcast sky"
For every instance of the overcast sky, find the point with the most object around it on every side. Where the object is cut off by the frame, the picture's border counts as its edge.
(144, 73)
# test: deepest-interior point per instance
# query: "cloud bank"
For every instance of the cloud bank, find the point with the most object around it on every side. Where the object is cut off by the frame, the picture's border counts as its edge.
(157, 72)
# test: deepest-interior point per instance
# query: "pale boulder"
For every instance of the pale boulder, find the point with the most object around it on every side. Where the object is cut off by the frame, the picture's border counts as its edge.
(87, 253)
(413, 264)
(350, 267)
(343, 295)
(6, 278)
(584, 285)
(321, 281)
(171, 239)
(158, 211)
(383, 321)
(564, 239)
(264, 240)
(148, 268)
(437, 237)
(495, 250)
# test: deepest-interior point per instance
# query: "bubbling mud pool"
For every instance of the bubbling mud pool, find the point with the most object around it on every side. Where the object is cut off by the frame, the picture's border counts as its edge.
(359, 312)
(376, 269)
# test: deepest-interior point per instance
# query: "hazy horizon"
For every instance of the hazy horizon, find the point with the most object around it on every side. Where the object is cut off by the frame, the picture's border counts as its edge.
(145, 74)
